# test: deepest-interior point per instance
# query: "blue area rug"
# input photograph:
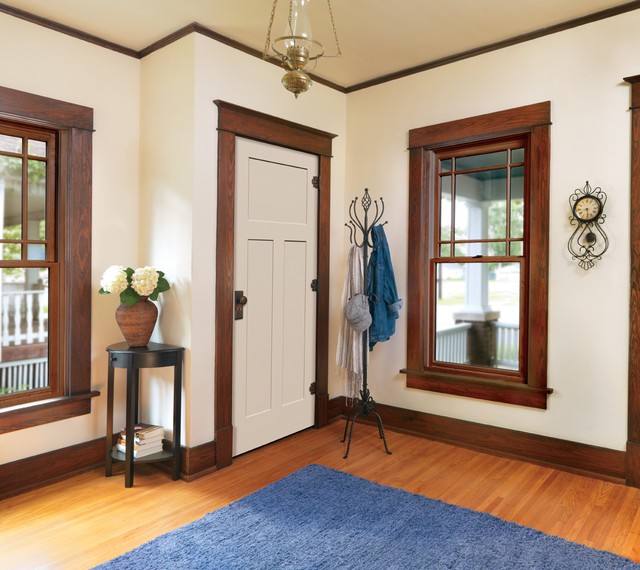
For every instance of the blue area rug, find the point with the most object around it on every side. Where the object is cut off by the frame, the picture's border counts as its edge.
(321, 518)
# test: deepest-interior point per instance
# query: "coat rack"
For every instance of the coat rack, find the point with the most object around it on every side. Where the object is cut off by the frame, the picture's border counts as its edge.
(360, 236)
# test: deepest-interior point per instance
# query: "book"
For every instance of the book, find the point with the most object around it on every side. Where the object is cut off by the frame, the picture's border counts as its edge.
(140, 441)
(140, 452)
(144, 431)
(143, 444)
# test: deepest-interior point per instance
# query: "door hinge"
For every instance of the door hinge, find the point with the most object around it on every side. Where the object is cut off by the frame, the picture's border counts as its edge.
(314, 285)
(312, 388)
(315, 182)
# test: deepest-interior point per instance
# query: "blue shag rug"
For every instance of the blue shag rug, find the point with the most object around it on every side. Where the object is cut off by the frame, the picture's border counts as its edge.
(321, 518)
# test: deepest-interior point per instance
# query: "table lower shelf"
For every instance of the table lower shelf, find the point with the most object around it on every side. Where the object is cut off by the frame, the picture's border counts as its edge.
(160, 456)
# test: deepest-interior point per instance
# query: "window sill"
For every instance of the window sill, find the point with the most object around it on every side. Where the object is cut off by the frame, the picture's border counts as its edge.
(492, 390)
(47, 411)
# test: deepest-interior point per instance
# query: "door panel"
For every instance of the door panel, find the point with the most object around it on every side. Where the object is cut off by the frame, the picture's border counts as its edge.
(275, 261)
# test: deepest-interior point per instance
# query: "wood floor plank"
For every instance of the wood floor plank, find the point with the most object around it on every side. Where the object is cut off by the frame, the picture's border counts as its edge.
(81, 522)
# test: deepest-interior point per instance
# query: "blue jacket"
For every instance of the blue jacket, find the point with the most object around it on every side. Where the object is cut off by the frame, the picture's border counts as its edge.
(381, 288)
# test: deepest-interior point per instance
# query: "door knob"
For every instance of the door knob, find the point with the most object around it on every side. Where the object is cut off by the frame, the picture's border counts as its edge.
(240, 301)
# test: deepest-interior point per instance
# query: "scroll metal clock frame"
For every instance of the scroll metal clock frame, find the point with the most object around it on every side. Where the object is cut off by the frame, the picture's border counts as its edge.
(588, 242)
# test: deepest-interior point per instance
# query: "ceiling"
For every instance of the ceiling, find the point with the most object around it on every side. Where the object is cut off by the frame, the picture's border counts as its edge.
(377, 37)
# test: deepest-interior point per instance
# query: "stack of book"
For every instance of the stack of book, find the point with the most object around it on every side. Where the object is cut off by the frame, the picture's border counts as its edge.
(147, 440)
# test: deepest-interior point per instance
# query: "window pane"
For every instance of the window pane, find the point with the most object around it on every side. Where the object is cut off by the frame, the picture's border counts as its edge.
(36, 252)
(481, 204)
(24, 320)
(445, 250)
(37, 199)
(445, 165)
(10, 144)
(11, 251)
(37, 148)
(517, 155)
(478, 314)
(481, 160)
(11, 189)
(445, 208)
(516, 248)
(517, 202)
(497, 248)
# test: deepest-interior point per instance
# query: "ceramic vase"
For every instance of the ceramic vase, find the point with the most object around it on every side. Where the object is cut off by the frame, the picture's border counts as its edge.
(137, 322)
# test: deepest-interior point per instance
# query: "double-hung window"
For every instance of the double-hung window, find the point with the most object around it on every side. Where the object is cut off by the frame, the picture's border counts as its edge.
(45, 260)
(477, 298)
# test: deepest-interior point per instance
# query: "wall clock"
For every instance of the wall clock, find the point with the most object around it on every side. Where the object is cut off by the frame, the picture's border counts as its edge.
(588, 242)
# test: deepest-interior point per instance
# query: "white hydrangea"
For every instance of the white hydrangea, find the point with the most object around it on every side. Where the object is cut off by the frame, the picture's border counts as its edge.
(144, 280)
(114, 280)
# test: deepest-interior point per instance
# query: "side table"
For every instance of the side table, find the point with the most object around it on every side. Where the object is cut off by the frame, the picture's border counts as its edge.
(154, 355)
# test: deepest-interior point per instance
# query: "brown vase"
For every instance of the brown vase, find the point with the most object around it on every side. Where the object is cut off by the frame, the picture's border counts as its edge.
(137, 322)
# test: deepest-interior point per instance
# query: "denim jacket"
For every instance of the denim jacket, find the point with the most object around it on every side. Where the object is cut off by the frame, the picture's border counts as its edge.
(381, 288)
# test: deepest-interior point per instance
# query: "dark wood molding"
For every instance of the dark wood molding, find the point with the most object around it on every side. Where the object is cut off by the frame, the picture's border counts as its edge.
(523, 38)
(633, 411)
(571, 456)
(40, 470)
(39, 110)
(273, 130)
(237, 121)
(470, 129)
(66, 30)
(194, 27)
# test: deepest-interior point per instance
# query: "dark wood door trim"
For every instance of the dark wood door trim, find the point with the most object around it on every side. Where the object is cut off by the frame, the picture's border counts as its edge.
(237, 121)
(632, 467)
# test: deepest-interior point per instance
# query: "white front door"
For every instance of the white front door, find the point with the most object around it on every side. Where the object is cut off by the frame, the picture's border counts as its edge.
(275, 262)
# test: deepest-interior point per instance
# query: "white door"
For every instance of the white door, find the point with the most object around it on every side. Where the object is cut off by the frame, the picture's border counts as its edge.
(275, 262)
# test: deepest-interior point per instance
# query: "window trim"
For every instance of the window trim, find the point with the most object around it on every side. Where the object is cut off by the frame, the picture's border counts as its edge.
(533, 121)
(74, 126)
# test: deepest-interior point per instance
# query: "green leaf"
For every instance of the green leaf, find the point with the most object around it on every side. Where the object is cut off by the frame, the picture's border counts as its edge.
(163, 285)
(129, 297)
(103, 292)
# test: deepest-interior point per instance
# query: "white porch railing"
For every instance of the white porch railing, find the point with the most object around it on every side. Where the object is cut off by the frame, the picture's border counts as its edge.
(24, 318)
(451, 344)
(507, 345)
(22, 375)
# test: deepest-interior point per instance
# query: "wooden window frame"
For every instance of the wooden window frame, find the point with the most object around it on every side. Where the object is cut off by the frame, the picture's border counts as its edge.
(73, 125)
(534, 122)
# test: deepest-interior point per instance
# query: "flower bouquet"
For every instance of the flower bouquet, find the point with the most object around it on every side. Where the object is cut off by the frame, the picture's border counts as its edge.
(132, 285)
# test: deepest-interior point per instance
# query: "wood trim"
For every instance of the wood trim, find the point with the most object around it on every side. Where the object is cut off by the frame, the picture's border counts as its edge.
(38, 413)
(28, 107)
(523, 38)
(501, 123)
(201, 29)
(237, 121)
(633, 412)
(274, 130)
(571, 456)
(66, 30)
(33, 472)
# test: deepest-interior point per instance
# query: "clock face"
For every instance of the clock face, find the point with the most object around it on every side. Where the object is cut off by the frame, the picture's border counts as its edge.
(587, 208)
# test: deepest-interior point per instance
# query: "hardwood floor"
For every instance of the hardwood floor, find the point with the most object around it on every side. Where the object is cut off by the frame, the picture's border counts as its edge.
(89, 519)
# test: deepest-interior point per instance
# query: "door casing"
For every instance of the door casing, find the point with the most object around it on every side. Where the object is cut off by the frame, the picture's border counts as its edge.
(238, 121)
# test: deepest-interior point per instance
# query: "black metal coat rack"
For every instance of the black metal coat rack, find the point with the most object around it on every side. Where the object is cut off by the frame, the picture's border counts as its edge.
(360, 236)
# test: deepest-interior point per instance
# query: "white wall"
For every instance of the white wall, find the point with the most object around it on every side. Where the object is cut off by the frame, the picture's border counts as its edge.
(50, 64)
(580, 71)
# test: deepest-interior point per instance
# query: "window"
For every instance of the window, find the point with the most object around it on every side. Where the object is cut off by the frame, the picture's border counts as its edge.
(28, 265)
(45, 260)
(477, 298)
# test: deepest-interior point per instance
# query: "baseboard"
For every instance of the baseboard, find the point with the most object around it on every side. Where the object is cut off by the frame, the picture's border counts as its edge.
(571, 456)
(40, 470)
(33, 472)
